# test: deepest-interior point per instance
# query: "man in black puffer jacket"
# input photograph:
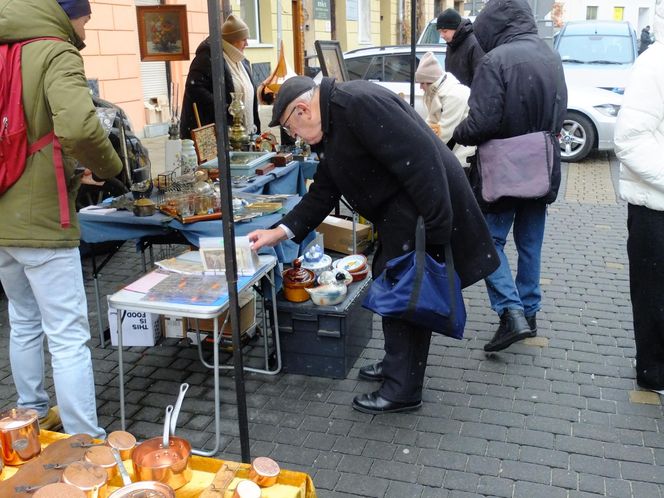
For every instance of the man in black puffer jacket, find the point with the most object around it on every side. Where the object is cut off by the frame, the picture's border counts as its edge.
(519, 88)
(463, 52)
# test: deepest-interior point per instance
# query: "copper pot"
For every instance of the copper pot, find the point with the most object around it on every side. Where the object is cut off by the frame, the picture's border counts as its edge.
(88, 477)
(247, 489)
(59, 490)
(164, 459)
(122, 441)
(103, 456)
(19, 435)
(296, 279)
(264, 472)
(151, 489)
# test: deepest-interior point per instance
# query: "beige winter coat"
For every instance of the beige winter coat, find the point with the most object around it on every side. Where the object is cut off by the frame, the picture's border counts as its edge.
(446, 101)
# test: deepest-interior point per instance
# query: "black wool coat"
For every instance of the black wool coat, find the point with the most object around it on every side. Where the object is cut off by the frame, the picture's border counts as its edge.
(519, 86)
(463, 53)
(390, 167)
(198, 89)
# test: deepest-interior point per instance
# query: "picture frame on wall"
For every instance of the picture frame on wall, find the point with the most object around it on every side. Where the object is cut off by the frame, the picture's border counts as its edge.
(331, 59)
(162, 32)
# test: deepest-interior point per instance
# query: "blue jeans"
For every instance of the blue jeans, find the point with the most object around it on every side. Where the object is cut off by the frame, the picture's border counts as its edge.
(47, 298)
(524, 292)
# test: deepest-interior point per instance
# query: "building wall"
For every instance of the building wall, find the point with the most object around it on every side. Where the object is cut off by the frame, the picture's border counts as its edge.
(638, 12)
(112, 53)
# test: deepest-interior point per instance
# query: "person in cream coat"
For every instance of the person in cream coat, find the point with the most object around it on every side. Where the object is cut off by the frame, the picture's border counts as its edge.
(446, 101)
(639, 144)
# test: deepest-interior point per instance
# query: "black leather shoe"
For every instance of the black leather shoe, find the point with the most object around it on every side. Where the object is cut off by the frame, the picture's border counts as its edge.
(513, 328)
(532, 323)
(375, 404)
(372, 372)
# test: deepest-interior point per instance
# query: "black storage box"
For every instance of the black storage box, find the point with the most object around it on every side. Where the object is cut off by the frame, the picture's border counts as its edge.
(324, 341)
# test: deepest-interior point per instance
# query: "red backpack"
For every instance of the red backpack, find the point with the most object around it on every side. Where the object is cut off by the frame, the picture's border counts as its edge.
(14, 147)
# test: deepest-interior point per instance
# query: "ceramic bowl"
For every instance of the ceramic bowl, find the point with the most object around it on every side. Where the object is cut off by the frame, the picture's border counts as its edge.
(360, 275)
(353, 263)
(327, 295)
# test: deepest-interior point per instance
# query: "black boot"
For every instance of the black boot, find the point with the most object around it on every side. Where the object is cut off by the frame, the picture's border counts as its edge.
(513, 328)
(374, 371)
(532, 323)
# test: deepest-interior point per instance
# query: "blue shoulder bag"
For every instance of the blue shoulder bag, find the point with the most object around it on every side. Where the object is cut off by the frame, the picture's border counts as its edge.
(416, 288)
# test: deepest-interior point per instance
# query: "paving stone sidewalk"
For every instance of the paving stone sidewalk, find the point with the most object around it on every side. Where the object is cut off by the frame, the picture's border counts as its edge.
(555, 416)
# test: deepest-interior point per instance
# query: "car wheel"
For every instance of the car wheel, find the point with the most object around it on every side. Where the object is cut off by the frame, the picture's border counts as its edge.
(577, 137)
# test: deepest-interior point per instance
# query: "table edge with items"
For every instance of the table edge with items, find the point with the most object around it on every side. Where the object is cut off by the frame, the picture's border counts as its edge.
(204, 483)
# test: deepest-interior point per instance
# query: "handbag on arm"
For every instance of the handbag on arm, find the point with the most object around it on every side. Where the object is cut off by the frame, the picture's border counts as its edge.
(520, 167)
(418, 289)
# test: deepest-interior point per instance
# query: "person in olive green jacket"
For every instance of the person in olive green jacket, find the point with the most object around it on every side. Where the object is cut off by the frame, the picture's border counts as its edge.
(40, 267)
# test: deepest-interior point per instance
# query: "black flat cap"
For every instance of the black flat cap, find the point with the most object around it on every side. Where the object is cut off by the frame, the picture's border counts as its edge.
(289, 91)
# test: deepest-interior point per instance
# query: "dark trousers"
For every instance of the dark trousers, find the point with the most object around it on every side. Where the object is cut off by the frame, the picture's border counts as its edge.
(405, 360)
(645, 250)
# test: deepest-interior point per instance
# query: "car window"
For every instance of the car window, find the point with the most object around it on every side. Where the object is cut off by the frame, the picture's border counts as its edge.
(430, 35)
(397, 68)
(357, 67)
(596, 48)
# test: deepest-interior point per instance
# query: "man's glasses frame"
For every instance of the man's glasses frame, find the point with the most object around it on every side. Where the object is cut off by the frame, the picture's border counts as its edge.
(285, 125)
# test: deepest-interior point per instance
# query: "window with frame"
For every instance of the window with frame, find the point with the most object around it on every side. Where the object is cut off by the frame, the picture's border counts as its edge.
(591, 13)
(249, 12)
(618, 13)
(364, 34)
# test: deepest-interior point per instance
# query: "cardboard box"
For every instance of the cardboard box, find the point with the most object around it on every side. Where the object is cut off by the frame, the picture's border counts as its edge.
(338, 235)
(138, 328)
(247, 317)
(156, 110)
(174, 327)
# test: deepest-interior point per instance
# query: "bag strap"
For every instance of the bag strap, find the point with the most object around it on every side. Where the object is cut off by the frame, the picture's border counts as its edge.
(39, 144)
(556, 101)
(420, 251)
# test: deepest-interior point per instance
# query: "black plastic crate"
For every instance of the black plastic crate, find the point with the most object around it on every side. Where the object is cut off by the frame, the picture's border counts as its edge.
(324, 341)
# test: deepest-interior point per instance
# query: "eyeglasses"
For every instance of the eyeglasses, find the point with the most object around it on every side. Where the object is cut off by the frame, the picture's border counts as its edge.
(285, 125)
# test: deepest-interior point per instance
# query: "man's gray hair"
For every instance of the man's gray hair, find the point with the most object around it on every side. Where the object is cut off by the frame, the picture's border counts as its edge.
(305, 97)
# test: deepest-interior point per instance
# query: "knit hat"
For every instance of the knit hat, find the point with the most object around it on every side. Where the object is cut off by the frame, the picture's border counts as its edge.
(75, 8)
(234, 29)
(448, 19)
(428, 70)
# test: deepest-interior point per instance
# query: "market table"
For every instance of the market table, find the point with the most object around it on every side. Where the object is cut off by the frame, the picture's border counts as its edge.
(290, 484)
(134, 298)
(102, 226)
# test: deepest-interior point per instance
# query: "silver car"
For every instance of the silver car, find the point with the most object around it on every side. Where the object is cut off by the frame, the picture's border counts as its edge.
(591, 112)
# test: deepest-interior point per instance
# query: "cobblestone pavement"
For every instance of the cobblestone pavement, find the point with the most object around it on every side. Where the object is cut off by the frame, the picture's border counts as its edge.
(555, 416)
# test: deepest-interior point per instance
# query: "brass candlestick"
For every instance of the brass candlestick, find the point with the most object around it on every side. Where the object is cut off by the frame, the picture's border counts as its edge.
(237, 136)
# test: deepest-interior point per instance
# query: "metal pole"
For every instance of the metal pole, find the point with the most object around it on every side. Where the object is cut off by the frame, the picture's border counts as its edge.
(413, 42)
(219, 87)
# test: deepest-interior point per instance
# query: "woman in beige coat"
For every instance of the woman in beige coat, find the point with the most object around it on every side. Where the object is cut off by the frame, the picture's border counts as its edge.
(446, 101)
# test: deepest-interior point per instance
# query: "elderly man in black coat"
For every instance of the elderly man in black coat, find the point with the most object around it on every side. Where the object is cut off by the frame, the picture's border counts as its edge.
(519, 88)
(390, 167)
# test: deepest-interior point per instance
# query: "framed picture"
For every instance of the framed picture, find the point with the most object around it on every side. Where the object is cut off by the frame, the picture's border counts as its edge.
(331, 59)
(162, 32)
(205, 141)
